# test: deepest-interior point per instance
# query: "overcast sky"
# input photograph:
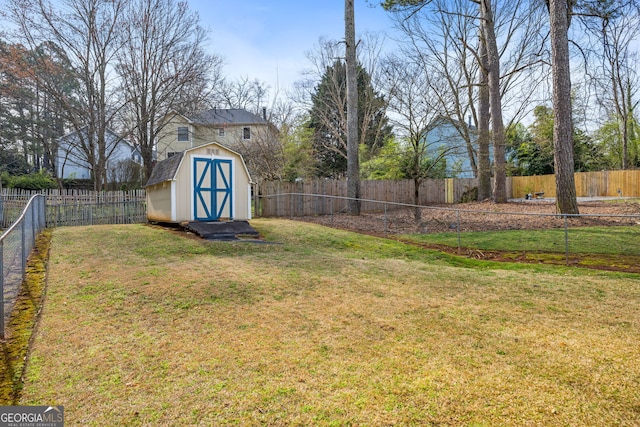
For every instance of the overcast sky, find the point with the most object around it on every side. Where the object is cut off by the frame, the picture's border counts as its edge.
(268, 39)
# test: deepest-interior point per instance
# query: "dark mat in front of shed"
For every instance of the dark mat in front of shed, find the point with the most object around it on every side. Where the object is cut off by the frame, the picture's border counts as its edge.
(221, 230)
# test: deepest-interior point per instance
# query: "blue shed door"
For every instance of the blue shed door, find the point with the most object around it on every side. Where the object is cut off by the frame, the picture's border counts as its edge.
(212, 184)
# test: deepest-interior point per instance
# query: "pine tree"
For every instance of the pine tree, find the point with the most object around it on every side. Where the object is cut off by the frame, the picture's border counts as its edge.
(560, 15)
(328, 119)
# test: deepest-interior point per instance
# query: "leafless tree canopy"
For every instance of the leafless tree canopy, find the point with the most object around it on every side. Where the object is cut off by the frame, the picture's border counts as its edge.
(245, 93)
(134, 60)
(162, 67)
(446, 38)
(88, 32)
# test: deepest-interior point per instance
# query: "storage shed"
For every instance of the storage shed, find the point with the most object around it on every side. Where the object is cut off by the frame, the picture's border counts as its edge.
(205, 183)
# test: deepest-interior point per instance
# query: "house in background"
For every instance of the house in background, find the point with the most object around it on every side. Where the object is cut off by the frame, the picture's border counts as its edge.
(71, 160)
(443, 135)
(232, 128)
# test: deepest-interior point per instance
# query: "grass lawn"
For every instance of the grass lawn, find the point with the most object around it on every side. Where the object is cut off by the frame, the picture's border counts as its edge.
(142, 326)
(587, 240)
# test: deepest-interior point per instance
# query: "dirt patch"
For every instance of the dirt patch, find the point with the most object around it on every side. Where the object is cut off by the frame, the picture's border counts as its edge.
(482, 216)
(489, 216)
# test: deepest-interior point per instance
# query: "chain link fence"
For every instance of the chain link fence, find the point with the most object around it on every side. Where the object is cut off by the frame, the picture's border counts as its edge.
(23, 216)
(11, 206)
(472, 230)
(16, 243)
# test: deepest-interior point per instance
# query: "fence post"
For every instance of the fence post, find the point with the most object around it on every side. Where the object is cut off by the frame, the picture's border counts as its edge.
(458, 228)
(32, 236)
(23, 245)
(256, 200)
(291, 196)
(385, 219)
(34, 218)
(566, 239)
(2, 289)
(331, 207)
(39, 213)
(277, 209)
(43, 210)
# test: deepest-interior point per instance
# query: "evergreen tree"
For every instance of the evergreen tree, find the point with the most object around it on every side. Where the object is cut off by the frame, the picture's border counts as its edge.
(531, 149)
(31, 120)
(328, 119)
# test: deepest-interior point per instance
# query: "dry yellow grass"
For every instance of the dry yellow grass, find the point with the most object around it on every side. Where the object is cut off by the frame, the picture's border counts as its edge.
(142, 326)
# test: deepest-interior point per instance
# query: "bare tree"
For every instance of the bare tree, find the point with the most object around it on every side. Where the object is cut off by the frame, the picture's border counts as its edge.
(263, 154)
(372, 107)
(244, 93)
(414, 108)
(89, 32)
(161, 60)
(440, 38)
(511, 69)
(444, 34)
(487, 26)
(613, 27)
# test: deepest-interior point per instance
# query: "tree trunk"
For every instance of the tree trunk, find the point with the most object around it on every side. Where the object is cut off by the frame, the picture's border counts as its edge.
(493, 55)
(621, 111)
(566, 200)
(631, 125)
(353, 166)
(417, 212)
(484, 139)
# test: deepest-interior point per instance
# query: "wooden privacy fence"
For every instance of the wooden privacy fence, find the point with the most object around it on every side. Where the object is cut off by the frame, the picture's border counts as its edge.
(325, 197)
(306, 198)
(588, 184)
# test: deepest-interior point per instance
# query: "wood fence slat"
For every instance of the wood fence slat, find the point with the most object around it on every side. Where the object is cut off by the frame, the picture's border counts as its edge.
(432, 191)
(82, 207)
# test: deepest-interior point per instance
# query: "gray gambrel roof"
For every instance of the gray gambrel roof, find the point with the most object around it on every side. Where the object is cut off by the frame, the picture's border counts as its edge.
(233, 116)
(165, 170)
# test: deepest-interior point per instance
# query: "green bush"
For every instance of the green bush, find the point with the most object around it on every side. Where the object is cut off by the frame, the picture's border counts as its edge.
(34, 181)
(4, 179)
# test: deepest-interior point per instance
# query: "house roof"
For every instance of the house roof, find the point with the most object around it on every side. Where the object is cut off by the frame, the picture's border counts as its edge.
(441, 120)
(84, 131)
(165, 170)
(218, 116)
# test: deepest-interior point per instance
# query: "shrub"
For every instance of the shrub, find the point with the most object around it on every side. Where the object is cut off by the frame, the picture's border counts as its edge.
(34, 181)
(4, 179)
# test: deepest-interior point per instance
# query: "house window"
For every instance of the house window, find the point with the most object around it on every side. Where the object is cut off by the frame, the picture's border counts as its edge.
(171, 154)
(221, 132)
(246, 133)
(183, 134)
